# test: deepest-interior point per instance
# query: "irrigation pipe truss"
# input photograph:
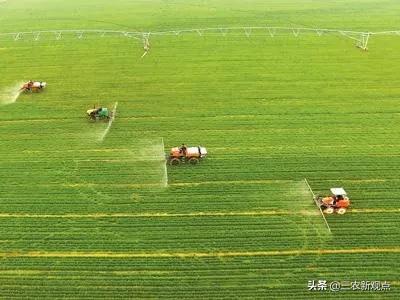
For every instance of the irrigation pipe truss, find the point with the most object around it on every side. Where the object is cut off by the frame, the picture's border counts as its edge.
(361, 37)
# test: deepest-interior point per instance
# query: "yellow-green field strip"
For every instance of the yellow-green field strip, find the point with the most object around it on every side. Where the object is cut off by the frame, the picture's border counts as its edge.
(100, 254)
(190, 214)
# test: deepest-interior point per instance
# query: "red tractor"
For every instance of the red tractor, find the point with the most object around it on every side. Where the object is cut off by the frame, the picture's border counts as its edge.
(33, 86)
(184, 154)
(337, 202)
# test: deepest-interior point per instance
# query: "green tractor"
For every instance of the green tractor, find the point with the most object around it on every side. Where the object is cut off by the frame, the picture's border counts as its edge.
(100, 113)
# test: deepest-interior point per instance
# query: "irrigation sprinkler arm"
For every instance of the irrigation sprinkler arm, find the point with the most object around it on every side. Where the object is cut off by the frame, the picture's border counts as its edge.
(164, 162)
(365, 45)
(146, 43)
(316, 203)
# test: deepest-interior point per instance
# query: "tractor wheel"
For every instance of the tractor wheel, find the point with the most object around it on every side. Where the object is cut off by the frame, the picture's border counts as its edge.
(174, 162)
(193, 161)
(328, 210)
(341, 211)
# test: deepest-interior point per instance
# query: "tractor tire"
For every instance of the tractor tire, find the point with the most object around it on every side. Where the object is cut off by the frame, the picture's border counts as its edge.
(328, 210)
(341, 211)
(174, 162)
(193, 160)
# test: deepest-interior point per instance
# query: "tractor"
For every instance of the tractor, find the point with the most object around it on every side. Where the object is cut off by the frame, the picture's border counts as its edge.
(184, 154)
(33, 86)
(99, 113)
(337, 202)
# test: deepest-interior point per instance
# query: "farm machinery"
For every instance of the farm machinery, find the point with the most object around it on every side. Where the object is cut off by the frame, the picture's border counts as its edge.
(99, 113)
(337, 202)
(33, 86)
(184, 154)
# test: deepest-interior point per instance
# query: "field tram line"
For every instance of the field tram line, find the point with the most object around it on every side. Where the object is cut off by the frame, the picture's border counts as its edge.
(219, 182)
(189, 214)
(216, 254)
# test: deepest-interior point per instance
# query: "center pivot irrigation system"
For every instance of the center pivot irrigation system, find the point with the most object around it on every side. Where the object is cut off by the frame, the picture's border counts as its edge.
(361, 37)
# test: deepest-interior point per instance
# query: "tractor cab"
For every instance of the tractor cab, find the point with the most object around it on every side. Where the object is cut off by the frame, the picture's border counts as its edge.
(340, 197)
(103, 112)
(339, 193)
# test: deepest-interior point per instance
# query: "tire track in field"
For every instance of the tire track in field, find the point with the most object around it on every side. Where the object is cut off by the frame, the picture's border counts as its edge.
(99, 254)
(190, 214)
(216, 117)
(33, 272)
(159, 215)
(222, 149)
(178, 184)
(374, 210)
(217, 182)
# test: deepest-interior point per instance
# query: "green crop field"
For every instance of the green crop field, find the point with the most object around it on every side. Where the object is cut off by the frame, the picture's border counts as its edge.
(89, 212)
